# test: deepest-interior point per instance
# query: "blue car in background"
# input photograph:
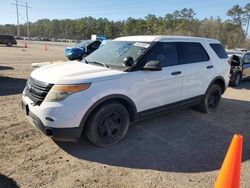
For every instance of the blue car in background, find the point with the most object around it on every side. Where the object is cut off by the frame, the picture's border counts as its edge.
(82, 49)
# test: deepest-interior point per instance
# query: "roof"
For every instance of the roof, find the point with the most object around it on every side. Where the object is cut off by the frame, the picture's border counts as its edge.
(154, 38)
(240, 49)
(236, 52)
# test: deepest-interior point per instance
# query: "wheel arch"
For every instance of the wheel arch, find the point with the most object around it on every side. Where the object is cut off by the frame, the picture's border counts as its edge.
(126, 101)
(219, 80)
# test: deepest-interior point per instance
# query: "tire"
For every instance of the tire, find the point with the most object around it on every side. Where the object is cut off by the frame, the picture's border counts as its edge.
(71, 59)
(236, 81)
(211, 100)
(9, 43)
(108, 124)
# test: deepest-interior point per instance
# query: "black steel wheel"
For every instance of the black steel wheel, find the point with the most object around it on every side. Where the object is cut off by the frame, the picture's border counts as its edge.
(214, 100)
(211, 100)
(108, 124)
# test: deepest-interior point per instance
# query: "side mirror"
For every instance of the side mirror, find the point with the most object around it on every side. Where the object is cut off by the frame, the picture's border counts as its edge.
(128, 61)
(153, 66)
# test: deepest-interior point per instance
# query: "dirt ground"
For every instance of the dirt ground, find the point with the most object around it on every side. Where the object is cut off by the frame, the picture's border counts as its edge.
(183, 148)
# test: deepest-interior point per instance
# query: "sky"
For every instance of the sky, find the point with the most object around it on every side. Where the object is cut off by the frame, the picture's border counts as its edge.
(112, 9)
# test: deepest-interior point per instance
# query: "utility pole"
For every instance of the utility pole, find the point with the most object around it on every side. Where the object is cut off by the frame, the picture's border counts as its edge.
(247, 24)
(17, 16)
(22, 4)
(27, 17)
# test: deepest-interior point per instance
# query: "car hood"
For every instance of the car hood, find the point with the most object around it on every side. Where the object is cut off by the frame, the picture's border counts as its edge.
(73, 73)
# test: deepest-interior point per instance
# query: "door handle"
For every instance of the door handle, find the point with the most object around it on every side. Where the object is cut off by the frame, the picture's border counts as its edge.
(210, 66)
(176, 73)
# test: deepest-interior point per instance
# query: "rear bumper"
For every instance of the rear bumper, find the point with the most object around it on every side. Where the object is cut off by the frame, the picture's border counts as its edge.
(60, 134)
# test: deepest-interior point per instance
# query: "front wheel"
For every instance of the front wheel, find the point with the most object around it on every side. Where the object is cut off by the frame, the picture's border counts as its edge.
(108, 124)
(236, 80)
(211, 100)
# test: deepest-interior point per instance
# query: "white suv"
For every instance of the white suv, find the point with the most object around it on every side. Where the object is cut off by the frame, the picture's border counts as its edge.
(127, 79)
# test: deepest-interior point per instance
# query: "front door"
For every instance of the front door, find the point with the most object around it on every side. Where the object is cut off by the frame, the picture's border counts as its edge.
(159, 88)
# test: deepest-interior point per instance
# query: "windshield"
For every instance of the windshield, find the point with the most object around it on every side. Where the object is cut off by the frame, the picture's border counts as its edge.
(83, 43)
(114, 52)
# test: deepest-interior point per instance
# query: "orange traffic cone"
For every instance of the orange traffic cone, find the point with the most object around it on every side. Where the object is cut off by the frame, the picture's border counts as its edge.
(229, 176)
(25, 45)
(46, 47)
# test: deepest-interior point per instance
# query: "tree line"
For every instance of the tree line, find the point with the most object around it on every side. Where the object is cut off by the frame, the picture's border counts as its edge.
(180, 22)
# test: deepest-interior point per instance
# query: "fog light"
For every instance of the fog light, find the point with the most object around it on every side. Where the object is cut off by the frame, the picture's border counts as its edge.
(49, 132)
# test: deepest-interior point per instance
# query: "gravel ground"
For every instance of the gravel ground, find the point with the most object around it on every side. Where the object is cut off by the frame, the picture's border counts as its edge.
(183, 148)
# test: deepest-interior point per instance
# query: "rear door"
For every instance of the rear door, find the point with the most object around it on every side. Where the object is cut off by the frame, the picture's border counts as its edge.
(197, 69)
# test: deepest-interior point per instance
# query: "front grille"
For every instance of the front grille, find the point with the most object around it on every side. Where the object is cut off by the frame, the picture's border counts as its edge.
(37, 90)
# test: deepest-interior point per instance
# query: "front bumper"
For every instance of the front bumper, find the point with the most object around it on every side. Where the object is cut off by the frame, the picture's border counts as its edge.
(60, 134)
(65, 117)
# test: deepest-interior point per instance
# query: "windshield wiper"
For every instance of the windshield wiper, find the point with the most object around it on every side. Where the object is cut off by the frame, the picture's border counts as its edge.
(97, 63)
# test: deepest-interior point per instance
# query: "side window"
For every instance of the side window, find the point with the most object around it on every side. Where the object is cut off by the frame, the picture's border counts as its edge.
(246, 59)
(95, 45)
(192, 52)
(165, 52)
(219, 50)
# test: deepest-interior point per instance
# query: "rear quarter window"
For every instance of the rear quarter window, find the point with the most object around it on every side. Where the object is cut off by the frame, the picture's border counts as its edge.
(219, 50)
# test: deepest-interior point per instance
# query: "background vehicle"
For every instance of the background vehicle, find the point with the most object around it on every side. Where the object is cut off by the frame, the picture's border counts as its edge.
(240, 66)
(126, 79)
(83, 48)
(8, 40)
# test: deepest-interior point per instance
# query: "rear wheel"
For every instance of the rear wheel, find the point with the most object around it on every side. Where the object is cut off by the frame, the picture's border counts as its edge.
(108, 124)
(211, 100)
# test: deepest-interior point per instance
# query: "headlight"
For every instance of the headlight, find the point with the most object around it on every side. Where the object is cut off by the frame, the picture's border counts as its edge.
(60, 92)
